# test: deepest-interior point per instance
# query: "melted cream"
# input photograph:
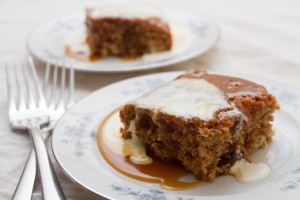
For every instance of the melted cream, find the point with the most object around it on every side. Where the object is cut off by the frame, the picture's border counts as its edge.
(186, 98)
(142, 12)
(76, 47)
(247, 172)
(78, 43)
(134, 147)
(182, 38)
(112, 136)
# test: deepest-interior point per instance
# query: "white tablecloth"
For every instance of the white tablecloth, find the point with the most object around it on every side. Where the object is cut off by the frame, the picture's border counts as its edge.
(258, 37)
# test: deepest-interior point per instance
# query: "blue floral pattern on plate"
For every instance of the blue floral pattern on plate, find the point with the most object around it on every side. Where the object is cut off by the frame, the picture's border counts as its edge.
(75, 134)
(289, 100)
(293, 180)
(138, 195)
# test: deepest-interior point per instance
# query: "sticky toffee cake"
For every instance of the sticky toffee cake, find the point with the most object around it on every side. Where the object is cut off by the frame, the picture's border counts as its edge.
(205, 121)
(126, 33)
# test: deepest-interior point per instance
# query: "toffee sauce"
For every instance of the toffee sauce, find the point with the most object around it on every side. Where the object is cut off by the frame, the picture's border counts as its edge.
(167, 174)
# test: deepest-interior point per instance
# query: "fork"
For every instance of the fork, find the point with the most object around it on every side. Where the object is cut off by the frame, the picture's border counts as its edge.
(30, 115)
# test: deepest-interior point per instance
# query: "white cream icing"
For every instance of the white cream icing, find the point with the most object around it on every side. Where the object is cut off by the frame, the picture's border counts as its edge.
(111, 135)
(77, 44)
(247, 172)
(137, 147)
(186, 98)
(140, 11)
(182, 38)
(134, 147)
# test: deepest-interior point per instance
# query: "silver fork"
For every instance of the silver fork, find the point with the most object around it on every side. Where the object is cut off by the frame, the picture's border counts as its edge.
(25, 186)
(28, 115)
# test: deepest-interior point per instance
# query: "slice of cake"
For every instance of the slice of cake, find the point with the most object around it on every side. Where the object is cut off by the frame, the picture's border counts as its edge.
(126, 32)
(206, 121)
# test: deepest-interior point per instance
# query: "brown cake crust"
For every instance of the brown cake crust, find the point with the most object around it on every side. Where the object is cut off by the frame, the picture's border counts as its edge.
(208, 148)
(126, 37)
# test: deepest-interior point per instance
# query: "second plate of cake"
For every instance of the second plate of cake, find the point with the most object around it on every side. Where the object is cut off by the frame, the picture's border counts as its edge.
(66, 37)
(87, 144)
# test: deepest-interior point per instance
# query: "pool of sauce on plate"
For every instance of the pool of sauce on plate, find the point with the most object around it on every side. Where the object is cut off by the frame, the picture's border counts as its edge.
(166, 174)
(80, 55)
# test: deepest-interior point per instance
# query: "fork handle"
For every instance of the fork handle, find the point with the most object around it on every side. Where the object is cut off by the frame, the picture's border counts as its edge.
(50, 185)
(25, 185)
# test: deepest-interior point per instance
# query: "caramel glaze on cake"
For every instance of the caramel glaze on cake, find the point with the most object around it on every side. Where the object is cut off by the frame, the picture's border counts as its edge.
(206, 146)
(127, 38)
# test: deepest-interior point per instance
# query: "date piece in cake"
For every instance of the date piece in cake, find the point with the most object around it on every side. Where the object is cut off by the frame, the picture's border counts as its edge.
(126, 33)
(205, 121)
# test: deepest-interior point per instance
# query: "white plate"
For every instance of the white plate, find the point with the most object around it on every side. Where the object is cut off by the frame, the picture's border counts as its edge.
(75, 149)
(193, 35)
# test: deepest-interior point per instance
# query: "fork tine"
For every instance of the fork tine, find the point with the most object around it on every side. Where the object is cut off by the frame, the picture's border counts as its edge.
(41, 99)
(46, 77)
(45, 83)
(71, 84)
(30, 95)
(54, 85)
(20, 92)
(12, 104)
(62, 86)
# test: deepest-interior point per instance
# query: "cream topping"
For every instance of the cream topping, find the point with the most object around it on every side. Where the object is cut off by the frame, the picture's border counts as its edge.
(182, 38)
(137, 148)
(141, 11)
(186, 98)
(134, 147)
(247, 172)
(77, 43)
(111, 134)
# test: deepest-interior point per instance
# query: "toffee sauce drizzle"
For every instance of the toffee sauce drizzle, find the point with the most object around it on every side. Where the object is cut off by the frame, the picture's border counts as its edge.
(167, 174)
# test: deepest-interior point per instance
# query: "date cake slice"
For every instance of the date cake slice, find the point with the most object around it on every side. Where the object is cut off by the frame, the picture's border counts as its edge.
(205, 121)
(127, 32)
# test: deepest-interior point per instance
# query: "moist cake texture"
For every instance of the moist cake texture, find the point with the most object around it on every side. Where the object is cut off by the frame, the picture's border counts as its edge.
(126, 33)
(205, 121)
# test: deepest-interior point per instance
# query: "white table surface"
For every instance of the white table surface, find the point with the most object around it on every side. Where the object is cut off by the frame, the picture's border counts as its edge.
(258, 37)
